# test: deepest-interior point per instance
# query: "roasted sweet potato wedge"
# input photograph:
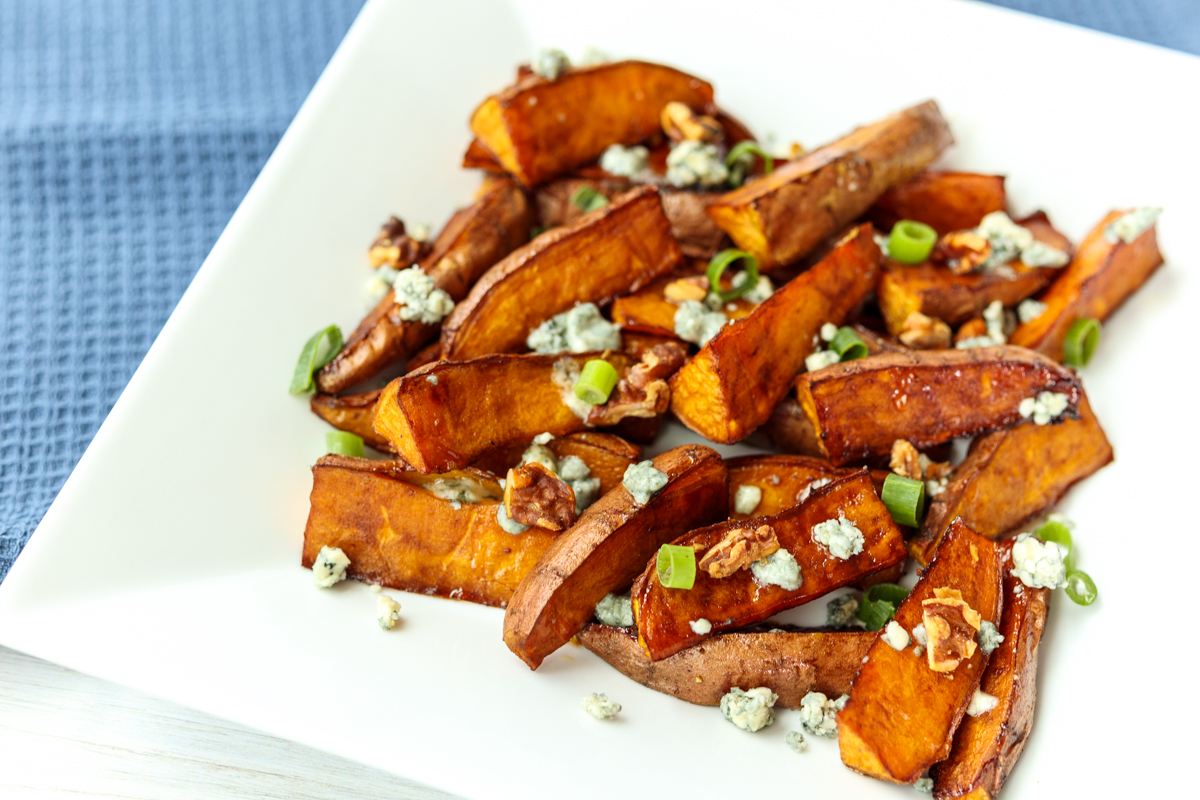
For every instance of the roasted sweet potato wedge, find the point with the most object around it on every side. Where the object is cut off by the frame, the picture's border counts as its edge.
(791, 431)
(478, 157)
(782, 216)
(1010, 477)
(473, 240)
(987, 747)
(945, 201)
(649, 307)
(781, 479)
(1100, 277)
(665, 616)
(789, 661)
(931, 396)
(607, 548)
(353, 413)
(539, 129)
(902, 714)
(398, 532)
(609, 252)
(607, 456)
(736, 380)
(452, 412)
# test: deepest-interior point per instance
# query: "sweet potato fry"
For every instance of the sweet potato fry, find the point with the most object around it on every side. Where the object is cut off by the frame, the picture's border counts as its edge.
(930, 397)
(665, 616)
(987, 747)
(353, 413)
(473, 240)
(902, 714)
(945, 201)
(477, 157)
(609, 252)
(398, 533)
(607, 547)
(1100, 277)
(539, 129)
(736, 380)
(782, 216)
(789, 661)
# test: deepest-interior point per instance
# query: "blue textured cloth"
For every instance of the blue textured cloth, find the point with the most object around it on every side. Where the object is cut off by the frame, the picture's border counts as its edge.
(130, 130)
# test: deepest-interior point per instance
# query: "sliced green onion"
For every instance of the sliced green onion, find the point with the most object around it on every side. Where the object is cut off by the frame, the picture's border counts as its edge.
(717, 266)
(1057, 532)
(536, 231)
(904, 498)
(879, 604)
(676, 566)
(1081, 341)
(588, 199)
(736, 161)
(308, 363)
(1081, 588)
(343, 444)
(911, 242)
(847, 344)
(596, 382)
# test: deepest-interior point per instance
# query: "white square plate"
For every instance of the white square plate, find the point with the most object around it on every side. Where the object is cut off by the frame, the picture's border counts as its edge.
(170, 561)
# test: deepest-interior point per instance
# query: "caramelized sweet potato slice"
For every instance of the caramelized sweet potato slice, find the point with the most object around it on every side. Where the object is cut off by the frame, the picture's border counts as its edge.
(902, 715)
(539, 129)
(1010, 477)
(478, 157)
(789, 661)
(353, 413)
(782, 216)
(400, 534)
(987, 747)
(1100, 277)
(452, 412)
(927, 397)
(607, 547)
(945, 201)
(782, 479)
(665, 616)
(473, 240)
(609, 252)
(736, 380)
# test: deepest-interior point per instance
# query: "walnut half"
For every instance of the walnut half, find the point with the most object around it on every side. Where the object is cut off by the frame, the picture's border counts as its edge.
(643, 392)
(680, 123)
(739, 548)
(394, 248)
(534, 495)
(962, 251)
(905, 461)
(951, 627)
(924, 333)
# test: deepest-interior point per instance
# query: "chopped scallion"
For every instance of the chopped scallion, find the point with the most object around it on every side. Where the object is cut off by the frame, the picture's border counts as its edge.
(588, 199)
(676, 566)
(596, 382)
(737, 161)
(911, 242)
(344, 444)
(1081, 588)
(879, 604)
(717, 266)
(848, 345)
(1060, 534)
(904, 498)
(308, 363)
(1081, 341)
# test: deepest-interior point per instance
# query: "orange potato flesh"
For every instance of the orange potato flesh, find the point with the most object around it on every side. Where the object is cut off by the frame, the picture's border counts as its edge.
(606, 549)
(649, 306)
(736, 380)
(664, 616)
(637, 339)
(860, 408)
(400, 535)
(987, 747)
(781, 216)
(478, 157)
(1100, 277)
(945, 201)
(353, 413)
(606, 455)
(609, 252)
(902, 715)
(790, 662)
(452, 412)
(473, 240)
(539, 129)
(781, 479)
(1011, 477)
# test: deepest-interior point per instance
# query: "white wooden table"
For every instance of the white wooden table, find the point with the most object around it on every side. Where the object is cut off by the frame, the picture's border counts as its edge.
(63, 734)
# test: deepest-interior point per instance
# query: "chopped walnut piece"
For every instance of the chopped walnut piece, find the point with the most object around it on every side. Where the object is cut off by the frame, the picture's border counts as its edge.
(394, 248)
(950, 627)
(534, 495)
(658, 363)
(924, 333)
(971, 329)
(740, 548)
(643, 392)
(905, 461)
(680, 123)
(695, 288)
(962, 251)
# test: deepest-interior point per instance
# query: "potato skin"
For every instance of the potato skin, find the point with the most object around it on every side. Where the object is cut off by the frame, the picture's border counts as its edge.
(353, 413)
(606, 549)
(902, 715)
(790, 662)
(945, 201)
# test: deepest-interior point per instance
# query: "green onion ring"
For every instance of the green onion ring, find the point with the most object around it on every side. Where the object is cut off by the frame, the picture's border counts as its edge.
(588, 199)
(717, 266)
(308, 363)
(676, 566)
(1081, 341)
(737, 168)
(343, 444)
(596, 382)
(848, 345)
(879, 604)
(904, 498)
(1081, 588)
(911, 242)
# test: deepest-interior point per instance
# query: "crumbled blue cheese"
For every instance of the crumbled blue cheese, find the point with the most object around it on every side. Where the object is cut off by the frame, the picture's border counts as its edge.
(545, 437)
(821, 359)
(981, 703)
(459, 490)
(895, 635)
(804, 493)
(377, 285)
(418, 298)
(615, 610)
(700, 627)
(387, 612)
(1039, 564)
(841, 612)
(840, 537)
(575, 473)
(993, 315)
(1132, 225)
(593, 55)
(1040, 254)
(420, 231)
(933, 488)
(1043, 408)
(818, 714)
(582, 329)
(643, 481)
(1006, 237)
(746, 499)
(989, 637)
(565, 375)
(600, 707)
(628, 162)
(550, 63)
(778, 569)
(329, 567)
(924, 785)
(974, 341)
(509, 525)
(692, 163)
(695, 323)
(1029, 310)
(761, 290)
(795, 740)
(920, 636)
(540, 454)
(828, 331)
(750, 711)
(431, 379)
